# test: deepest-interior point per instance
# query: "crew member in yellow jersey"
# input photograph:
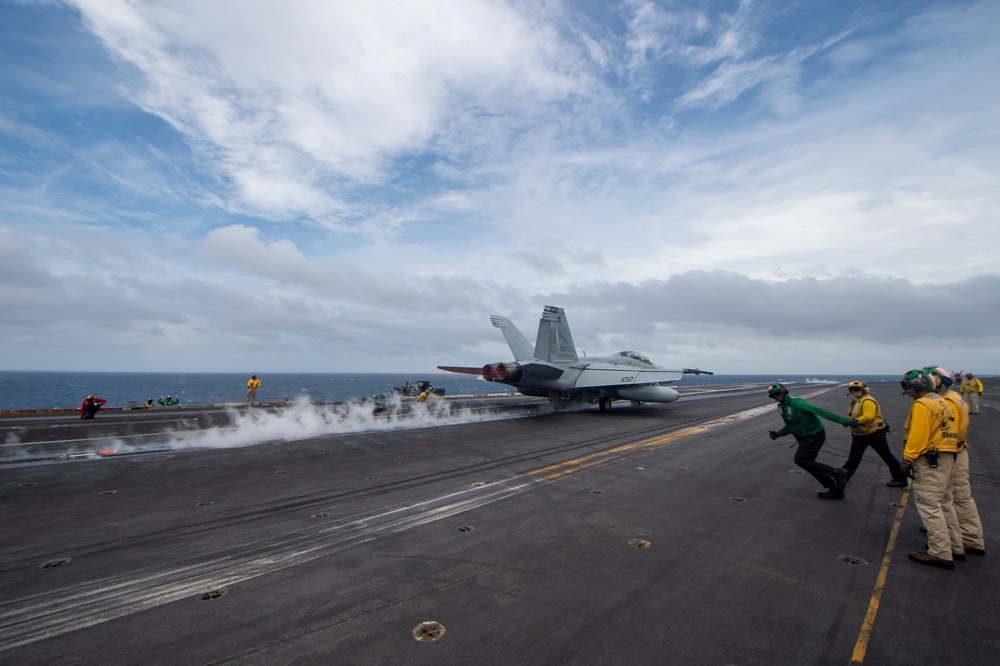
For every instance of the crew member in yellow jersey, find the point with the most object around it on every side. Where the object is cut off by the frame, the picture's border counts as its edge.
(868, 429)
(971, 389)
(970, 526)
(929, 458)
(252, 385)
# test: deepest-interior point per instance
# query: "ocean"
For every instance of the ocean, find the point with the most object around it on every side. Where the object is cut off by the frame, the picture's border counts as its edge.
(58, 390)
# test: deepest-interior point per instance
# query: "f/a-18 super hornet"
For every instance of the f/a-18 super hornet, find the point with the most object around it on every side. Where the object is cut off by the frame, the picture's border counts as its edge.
(552, 368)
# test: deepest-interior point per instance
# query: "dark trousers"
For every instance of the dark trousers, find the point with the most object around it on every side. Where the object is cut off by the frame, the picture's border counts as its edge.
(90, 412)
(878, 444)
(805, 457)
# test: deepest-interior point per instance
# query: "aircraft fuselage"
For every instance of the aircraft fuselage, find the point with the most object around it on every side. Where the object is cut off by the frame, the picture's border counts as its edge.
(552, 368)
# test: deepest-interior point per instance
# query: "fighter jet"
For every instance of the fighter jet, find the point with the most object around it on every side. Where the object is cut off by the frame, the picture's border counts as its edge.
(552, 368)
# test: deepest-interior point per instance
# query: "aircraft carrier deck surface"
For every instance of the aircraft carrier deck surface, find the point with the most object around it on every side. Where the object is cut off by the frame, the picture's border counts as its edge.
(651, 534)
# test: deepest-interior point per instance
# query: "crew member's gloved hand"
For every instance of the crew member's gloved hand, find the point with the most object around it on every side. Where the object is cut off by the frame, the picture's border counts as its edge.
(773, 434)
(907, 467)
(854, 423)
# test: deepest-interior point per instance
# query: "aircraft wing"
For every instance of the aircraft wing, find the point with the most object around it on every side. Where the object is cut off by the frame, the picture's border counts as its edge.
(595, 376)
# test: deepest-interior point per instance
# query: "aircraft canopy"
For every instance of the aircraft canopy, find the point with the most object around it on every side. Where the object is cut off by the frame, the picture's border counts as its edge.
(635, 355)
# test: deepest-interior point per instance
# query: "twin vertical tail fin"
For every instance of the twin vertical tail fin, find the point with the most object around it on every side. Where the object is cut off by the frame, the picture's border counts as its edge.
(553, 344)
(518, 344)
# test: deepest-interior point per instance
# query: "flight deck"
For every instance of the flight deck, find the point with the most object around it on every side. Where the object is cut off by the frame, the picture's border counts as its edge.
(502, 532)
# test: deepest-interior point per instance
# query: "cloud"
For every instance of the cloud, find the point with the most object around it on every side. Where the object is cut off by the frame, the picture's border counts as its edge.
(241, 246)
(329, 93)
(352, 120)
(727, 321)
(358, 186)
(269, 301)
(884, 310)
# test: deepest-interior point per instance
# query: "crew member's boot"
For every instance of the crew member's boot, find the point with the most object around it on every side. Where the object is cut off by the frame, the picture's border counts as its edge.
(838, 479)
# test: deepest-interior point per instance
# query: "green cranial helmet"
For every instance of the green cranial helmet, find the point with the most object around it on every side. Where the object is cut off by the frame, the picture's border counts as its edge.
(918, 380)
(942, 375)
(775, 390)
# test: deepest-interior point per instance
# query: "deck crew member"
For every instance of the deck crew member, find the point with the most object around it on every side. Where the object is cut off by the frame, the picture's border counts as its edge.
(801, 422)
(90, 407)
(252, 385)
(970, 525)
(869, 429)
(971, 389)
(929, 458)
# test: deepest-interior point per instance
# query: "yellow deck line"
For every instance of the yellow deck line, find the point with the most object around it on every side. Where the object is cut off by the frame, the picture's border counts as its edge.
(601, 458)
(861, 647)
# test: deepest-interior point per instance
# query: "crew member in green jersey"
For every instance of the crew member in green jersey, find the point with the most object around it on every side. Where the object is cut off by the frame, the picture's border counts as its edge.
(802, 422)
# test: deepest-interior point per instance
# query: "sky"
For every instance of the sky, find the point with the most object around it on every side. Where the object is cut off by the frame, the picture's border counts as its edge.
(749, 187)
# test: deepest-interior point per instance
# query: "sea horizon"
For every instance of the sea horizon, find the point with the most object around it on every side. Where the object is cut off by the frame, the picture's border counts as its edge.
(54, 389)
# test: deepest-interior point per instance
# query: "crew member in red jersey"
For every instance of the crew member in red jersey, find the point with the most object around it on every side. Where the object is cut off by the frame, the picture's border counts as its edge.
(90, 407)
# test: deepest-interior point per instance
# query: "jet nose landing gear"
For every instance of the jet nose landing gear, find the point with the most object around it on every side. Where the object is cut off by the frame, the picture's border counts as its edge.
(604, 403)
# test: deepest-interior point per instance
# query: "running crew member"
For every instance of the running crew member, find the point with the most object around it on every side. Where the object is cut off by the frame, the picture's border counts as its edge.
(801, 422)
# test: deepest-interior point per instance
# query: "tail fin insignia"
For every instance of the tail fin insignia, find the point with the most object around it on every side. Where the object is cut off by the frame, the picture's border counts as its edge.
(554, 342)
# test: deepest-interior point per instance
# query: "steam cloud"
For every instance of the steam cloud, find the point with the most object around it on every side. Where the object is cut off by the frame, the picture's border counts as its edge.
(303, 420)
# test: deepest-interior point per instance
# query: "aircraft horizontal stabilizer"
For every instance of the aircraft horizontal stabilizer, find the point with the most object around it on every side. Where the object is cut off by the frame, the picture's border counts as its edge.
(696, 371)
(464, 371)
(542, 371)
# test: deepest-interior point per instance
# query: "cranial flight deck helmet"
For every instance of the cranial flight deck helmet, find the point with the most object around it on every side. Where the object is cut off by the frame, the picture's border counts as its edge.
(857, 384)
(918, 380)
(776, 389)
(945, 378)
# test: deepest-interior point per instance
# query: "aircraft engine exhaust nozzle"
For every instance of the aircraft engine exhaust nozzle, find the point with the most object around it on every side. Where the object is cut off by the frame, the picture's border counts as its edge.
(648, 393)
(505, 373)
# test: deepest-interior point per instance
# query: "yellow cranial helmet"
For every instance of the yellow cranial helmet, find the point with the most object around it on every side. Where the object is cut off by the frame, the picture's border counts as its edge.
(857, 384)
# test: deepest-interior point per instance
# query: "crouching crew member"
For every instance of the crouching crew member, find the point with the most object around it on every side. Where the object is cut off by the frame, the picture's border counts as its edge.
(90, 407)
(929, 458)
(801, 422)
